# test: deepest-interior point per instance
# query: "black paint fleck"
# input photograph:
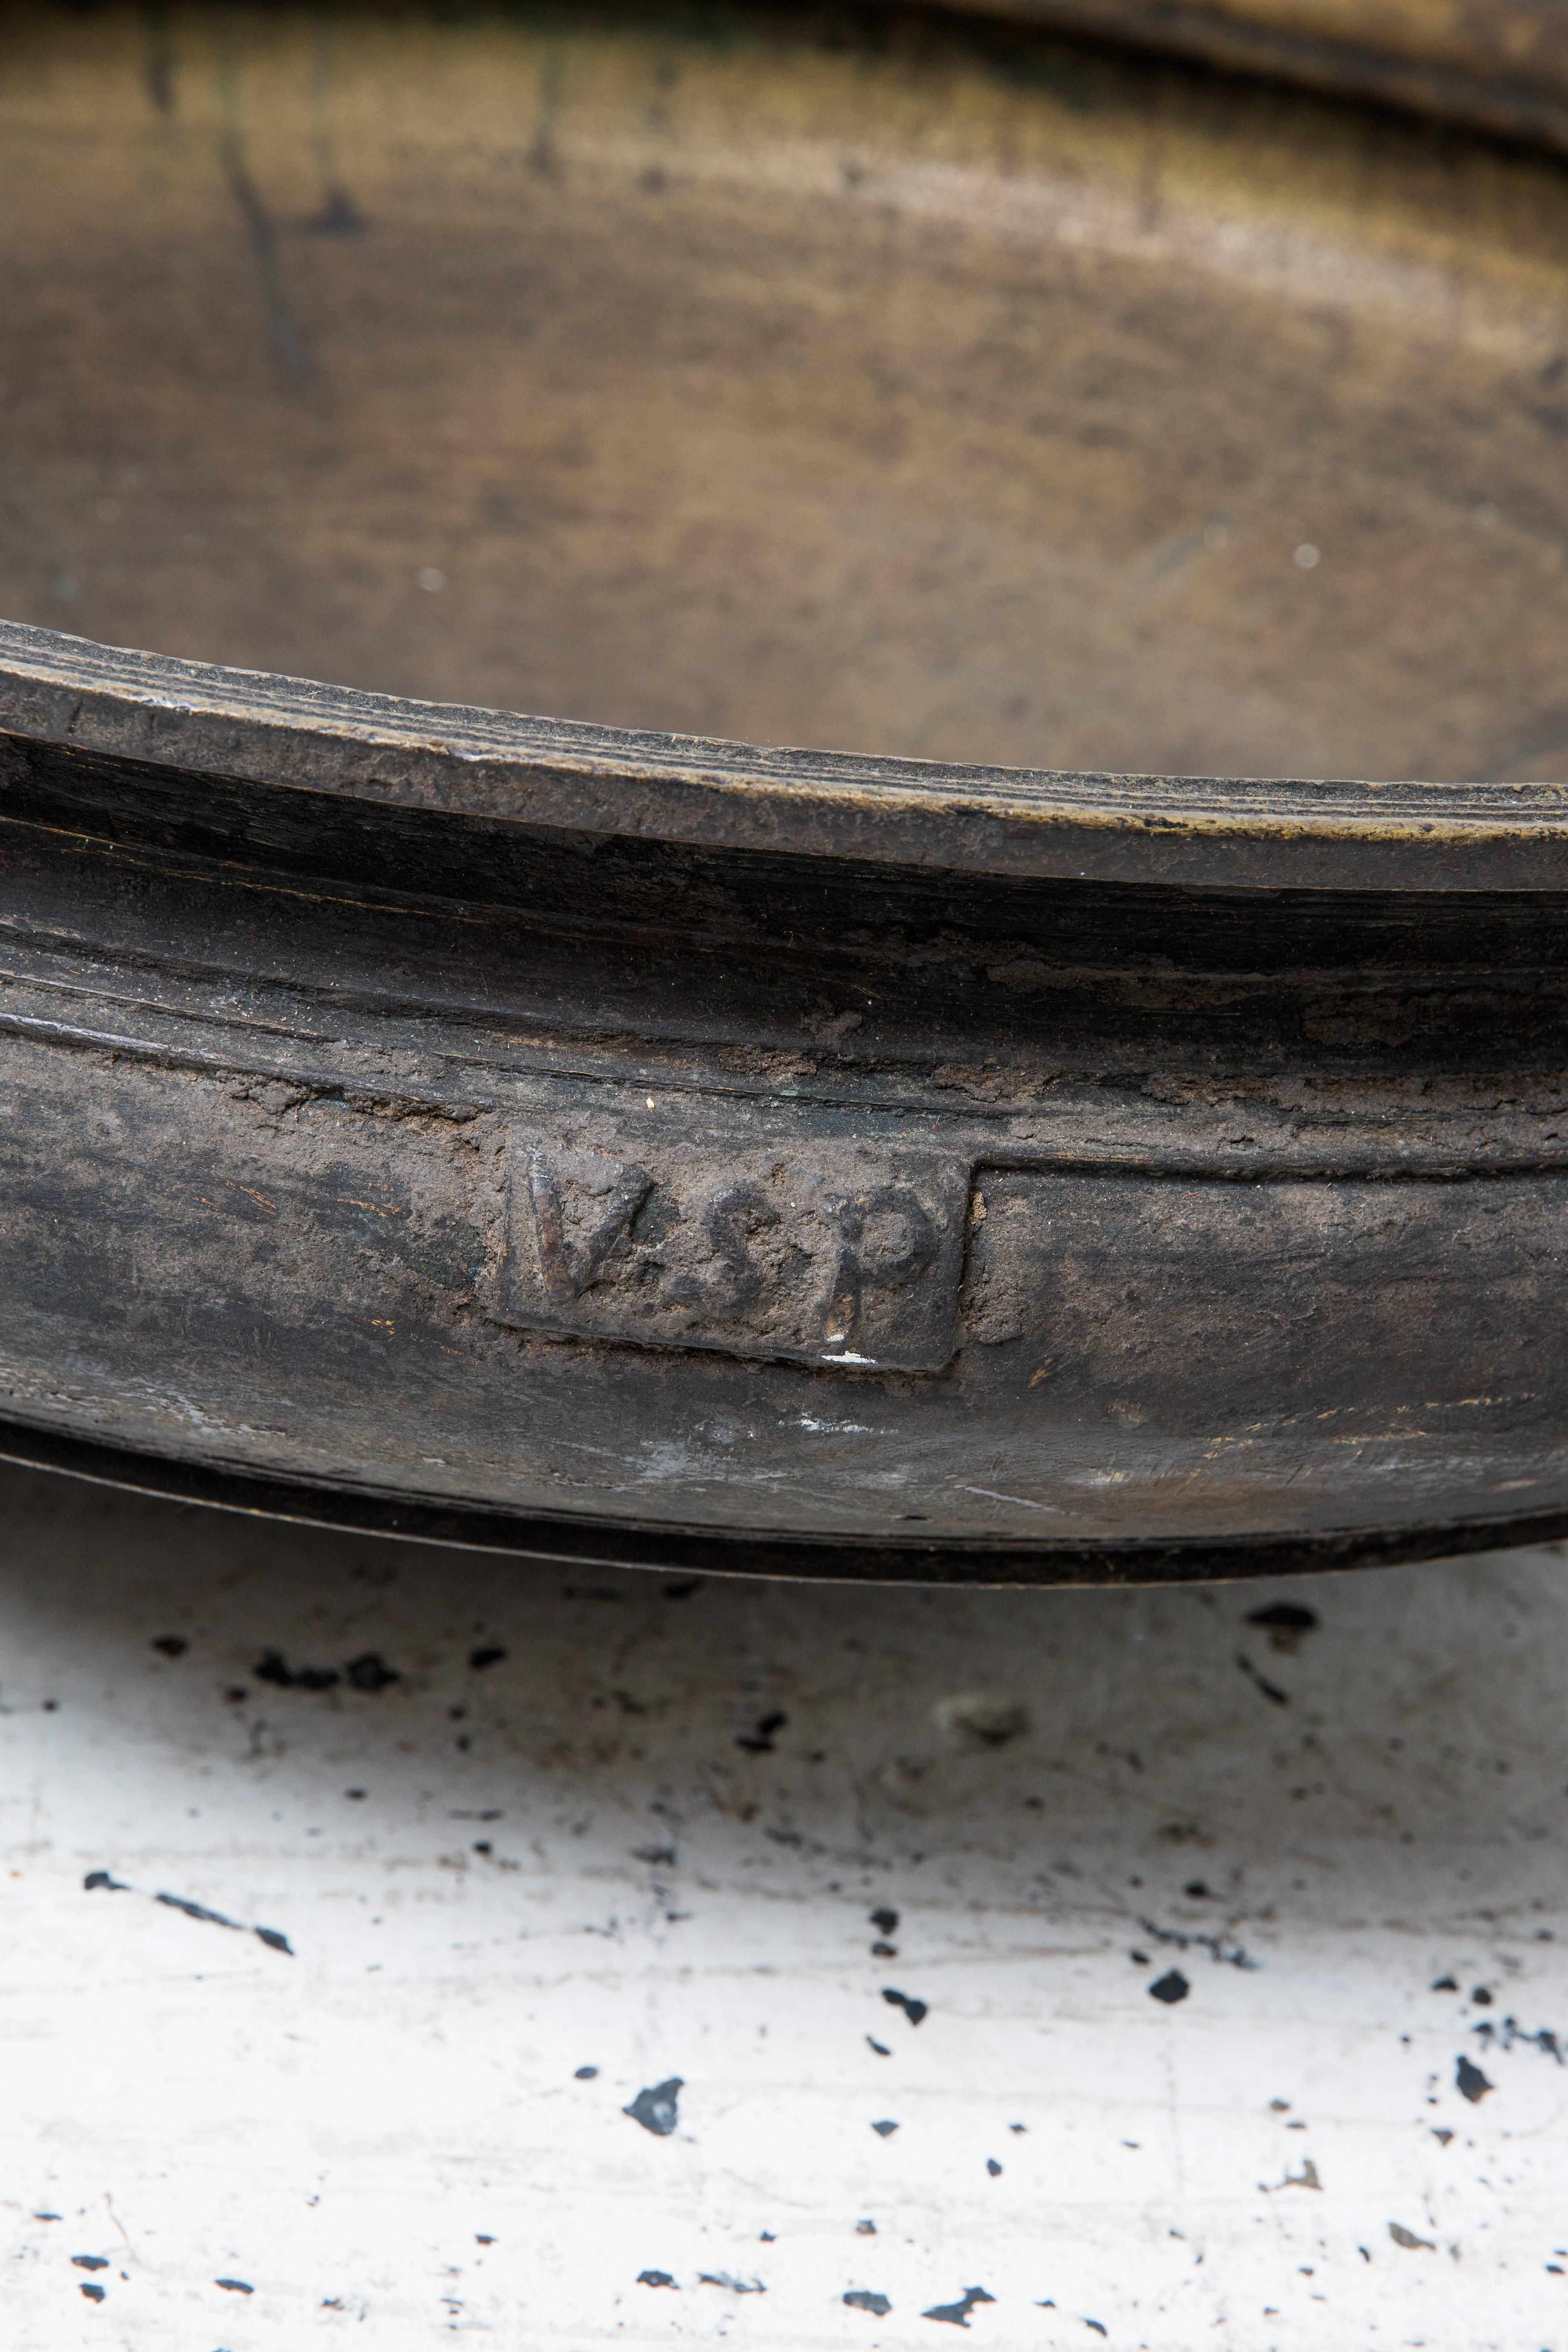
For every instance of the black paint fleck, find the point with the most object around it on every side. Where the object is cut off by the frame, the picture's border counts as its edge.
(172, 1646)
(861, 2298)
(886, 1922)
(274, 1938)
(657, 2109)
(1171, 1988)
(885, 2129)
(913, 2010)
(993, 2167)
(731, 2284)
(1408, 2238)
(490, 1654)
(957, 2313)
(1097, 2326)
(94, 2293)
(1233, 1955)
(1471, 2083)
(761, 1741)
(880, 2048)
(90, 2262)
(236, 2286)
(1505, 2036)
(370, 1672)
(584, 2073)
(1443, 1984)
(197, 1911)
(1270, 1691)
(655, 2278)
(1286, 1622)
(273, 1667)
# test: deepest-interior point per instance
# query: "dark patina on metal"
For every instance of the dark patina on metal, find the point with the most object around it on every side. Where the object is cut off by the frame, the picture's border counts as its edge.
(646, 1174)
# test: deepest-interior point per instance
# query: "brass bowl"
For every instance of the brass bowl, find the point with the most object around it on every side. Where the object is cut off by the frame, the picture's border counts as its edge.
(988, 1141)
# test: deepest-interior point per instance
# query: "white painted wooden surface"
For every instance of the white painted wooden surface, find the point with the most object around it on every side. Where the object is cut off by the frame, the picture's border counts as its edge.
(565, 1860)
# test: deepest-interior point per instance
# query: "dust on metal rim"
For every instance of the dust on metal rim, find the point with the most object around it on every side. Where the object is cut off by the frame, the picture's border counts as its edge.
(513, 772)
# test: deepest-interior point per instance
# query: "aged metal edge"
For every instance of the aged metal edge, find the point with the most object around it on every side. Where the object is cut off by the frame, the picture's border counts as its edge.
(986, 1158)
(330, 1085)
(587, 1544)
(1189, 832)
(1472, 93)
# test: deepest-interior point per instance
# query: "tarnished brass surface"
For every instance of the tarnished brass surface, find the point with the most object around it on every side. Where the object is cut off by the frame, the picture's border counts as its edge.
(910, 386)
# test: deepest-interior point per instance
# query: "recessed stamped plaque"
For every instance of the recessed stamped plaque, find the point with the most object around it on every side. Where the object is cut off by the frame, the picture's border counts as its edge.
(831, 1252)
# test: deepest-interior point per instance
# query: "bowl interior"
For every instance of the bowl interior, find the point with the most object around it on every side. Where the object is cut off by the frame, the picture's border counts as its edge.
(906, 385)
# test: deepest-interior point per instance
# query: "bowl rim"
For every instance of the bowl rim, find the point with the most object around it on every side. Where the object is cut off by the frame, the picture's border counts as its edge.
(518, 771)
(754, 1556)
